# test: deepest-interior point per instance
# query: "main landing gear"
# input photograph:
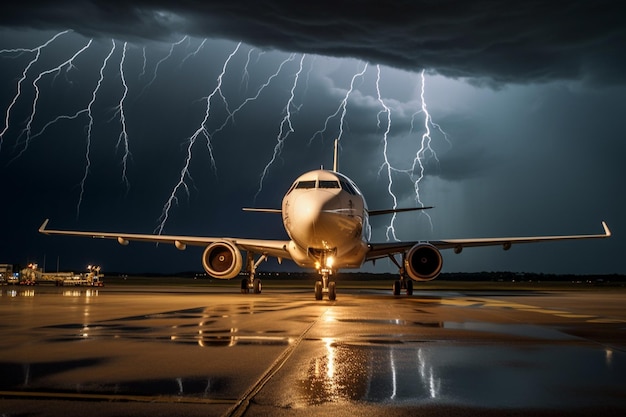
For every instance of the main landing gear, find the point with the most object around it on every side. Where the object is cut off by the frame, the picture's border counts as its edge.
(325, 287)
(251, 283)
(404, 283)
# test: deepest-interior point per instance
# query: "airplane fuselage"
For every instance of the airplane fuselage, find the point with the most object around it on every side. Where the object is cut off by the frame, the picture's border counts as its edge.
(325, 216)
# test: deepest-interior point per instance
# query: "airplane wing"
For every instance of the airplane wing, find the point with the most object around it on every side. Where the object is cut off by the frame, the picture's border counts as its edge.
(370, 212)
(273, 248)
(385, 249)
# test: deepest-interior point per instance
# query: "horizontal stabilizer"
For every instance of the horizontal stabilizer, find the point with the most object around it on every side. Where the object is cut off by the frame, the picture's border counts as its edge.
(391, 211)
(262, 210)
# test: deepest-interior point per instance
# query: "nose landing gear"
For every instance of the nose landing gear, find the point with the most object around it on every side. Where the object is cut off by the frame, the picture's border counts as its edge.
(325, 287)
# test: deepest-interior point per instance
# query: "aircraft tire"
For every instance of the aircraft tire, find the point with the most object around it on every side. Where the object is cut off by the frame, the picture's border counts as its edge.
(409, 287)
(332, 291)
(244, 286)
(397, 287)
(257, 286)
(318, 290)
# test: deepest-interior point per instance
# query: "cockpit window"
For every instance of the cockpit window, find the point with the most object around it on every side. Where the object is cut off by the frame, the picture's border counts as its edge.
(329, 184)
(348, 187)
(306, 184)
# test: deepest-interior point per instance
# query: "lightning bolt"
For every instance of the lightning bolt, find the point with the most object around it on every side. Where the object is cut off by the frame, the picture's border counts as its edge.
(284, 124)
(123, 137)
(194, 53)
(144, 62)
(416, 172)
(202, 130)
(94, 95)
(162, 60)
(390, 232)
(341, 108)
(425, 148)
(28, 129)
(37, 51)
(231, 115)
(245, 77)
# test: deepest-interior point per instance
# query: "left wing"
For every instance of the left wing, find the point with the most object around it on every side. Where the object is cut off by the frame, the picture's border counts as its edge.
(274, 248)
(384, 249)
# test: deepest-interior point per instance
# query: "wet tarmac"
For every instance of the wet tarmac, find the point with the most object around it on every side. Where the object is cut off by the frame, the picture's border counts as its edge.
(152, 351)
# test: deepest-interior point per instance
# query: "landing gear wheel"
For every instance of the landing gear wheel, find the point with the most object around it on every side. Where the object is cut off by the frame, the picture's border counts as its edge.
(332, 292)
(244, 286)
(409, 288)
(257, 286)
(397, 287)
(318, 290)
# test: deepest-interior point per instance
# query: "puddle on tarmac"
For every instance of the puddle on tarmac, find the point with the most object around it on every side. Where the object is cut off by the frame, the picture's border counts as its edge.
(191, 334)
(224, 339)
(32, 377)
(373, 321)
(29, 291)
(480, 376)
(22, 376)
(522, 330)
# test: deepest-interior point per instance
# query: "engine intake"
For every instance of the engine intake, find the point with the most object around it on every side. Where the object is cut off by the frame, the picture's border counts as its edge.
(222, 260)
(423, 262)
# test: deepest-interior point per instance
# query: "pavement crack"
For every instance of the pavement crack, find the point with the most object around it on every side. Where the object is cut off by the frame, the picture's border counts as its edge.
(241, 406)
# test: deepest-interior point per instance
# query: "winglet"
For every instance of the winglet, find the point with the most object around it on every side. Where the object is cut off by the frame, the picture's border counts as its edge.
(42, 228)
(607, 232)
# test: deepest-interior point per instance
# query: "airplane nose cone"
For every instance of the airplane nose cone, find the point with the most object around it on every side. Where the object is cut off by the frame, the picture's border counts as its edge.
(318, 221)
(309, 209)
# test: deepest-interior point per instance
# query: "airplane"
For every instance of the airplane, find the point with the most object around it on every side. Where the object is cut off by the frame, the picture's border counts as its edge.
(326, 218)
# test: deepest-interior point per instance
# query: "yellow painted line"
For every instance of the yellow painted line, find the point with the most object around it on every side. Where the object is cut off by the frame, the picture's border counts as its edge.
(576, 316)
(553, 312)
(504, 304)
(606, 321)
(459, 302)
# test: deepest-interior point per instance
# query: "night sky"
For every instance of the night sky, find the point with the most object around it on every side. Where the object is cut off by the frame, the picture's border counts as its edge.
(530, 97)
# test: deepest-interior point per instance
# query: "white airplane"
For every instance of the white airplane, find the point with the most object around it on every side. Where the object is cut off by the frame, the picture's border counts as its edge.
(325, 216)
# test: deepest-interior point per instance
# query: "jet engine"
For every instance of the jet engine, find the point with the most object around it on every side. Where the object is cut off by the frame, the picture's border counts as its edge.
(423, 262)
(222, 260)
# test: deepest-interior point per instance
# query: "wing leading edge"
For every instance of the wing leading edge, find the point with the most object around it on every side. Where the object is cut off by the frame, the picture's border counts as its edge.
(274, 248)
(278, 248)
(385, 249)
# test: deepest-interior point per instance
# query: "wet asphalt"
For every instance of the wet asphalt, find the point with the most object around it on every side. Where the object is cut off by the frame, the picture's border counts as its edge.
(209, 351)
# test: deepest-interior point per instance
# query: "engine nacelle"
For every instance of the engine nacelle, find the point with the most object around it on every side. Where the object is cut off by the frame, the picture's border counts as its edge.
(222, 260)
(423, 262)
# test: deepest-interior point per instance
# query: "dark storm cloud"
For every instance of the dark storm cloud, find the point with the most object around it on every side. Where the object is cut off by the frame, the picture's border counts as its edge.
(494, 42)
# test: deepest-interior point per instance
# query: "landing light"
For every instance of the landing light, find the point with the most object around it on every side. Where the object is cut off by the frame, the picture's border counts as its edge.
(329, 261)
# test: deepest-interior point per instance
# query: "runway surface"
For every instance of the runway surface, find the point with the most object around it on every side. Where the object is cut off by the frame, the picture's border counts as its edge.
(208, 351)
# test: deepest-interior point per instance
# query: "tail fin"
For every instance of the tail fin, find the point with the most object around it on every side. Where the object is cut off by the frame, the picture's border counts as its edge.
(336, 156)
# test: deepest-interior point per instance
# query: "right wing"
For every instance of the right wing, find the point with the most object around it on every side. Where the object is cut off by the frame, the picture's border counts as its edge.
(381, 250)
(274, 248)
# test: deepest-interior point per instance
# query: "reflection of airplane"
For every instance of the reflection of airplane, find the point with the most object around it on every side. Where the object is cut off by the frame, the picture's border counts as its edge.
(325, 215)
